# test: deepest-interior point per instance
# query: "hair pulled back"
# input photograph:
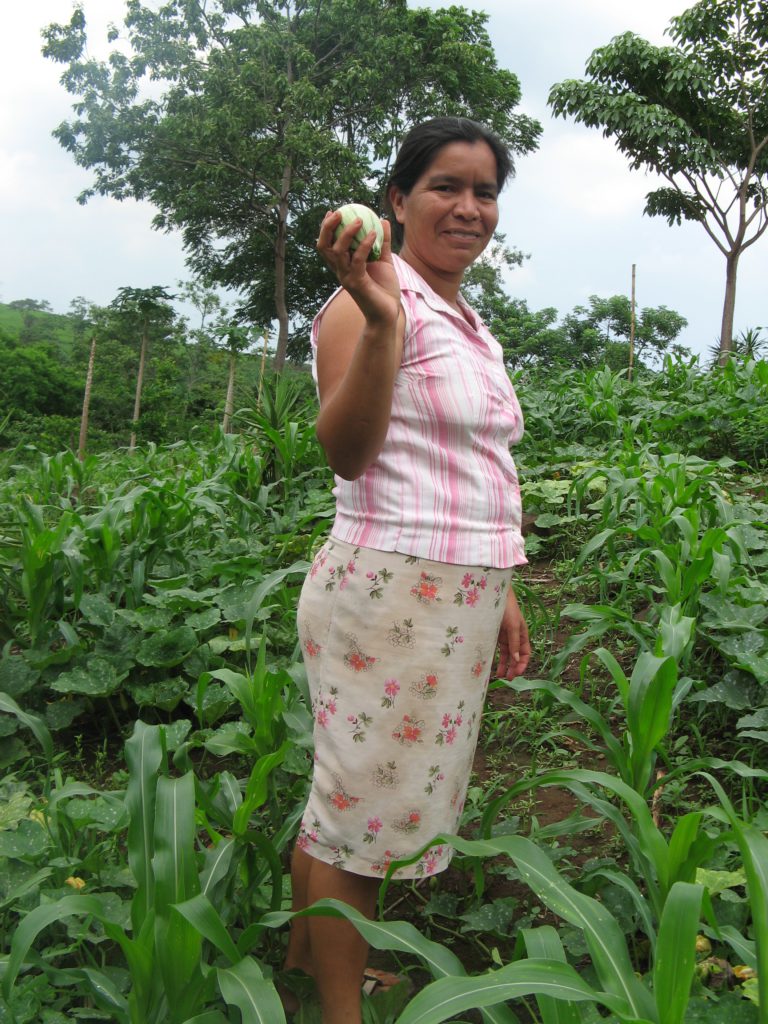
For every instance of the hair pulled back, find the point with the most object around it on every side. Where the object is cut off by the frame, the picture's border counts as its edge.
(421, 146)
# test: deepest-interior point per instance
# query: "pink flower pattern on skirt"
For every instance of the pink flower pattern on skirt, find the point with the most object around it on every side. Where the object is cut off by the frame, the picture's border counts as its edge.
(397, 686)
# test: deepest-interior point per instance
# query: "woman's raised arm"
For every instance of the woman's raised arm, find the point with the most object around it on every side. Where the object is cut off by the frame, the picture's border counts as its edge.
(359, 349)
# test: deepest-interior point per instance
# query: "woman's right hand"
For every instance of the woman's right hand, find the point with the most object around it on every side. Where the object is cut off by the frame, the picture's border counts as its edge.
(373, 285)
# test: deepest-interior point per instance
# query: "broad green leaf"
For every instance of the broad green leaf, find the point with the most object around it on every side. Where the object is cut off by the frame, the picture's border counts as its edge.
(718, 881)
(98, 678)
(256, 790)
(107, 813)
(97, 609)
(736, 690)
(16, 804)
(491, 917)
(29, 840)
(17, 676)
(164, 693)
(243, 602)
(163, 650)
(60, 714)
(203, 620)
(232, 738)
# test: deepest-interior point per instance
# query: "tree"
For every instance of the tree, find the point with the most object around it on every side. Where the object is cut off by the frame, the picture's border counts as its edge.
(149, 310)
(695, 113)
(588, 336)
(655, 328)
(83, 317)
(31, 306)
(235, 340)
(272, 111)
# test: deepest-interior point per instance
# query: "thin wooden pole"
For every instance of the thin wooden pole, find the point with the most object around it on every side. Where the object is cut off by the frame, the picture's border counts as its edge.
(261, 373)
(632, 329)
(86, 401)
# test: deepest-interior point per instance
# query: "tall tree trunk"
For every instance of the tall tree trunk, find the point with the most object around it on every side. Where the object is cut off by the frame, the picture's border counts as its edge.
(729, 305)
(282, 226)
(263, 364)
(280, 247)
(139, 385)
(86, 401)
(229, 401)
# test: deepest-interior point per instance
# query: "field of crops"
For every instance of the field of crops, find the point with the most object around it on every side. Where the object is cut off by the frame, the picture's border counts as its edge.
(156, 731)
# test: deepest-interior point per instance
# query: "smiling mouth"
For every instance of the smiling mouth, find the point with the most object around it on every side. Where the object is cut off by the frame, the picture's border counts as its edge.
(466, 235)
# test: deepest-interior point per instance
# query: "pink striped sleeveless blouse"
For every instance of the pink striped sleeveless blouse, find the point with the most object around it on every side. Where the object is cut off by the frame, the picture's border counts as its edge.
(444, 486)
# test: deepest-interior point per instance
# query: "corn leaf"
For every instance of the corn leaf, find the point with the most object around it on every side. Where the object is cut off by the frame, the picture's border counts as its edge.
(35, 724)
(753, 846)
(676, 951)
(177, 942)
(447, 997)
(256, 998)
(35, 921)
(544, 944)
(143, 754)
(604, 938)
(202, 915)
(651, 689)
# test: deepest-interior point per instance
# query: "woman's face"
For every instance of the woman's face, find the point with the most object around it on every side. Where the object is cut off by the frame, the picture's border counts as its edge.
(451, 212)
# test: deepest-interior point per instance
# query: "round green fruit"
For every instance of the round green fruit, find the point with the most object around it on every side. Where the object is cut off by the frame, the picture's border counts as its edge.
(371, 222)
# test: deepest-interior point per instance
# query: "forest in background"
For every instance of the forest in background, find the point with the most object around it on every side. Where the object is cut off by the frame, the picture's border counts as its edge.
(44, 358)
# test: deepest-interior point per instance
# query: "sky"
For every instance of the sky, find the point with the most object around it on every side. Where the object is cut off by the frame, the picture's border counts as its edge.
(574, 206)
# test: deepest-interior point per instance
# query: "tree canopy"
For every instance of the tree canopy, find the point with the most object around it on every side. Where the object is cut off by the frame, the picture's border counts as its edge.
(696, 113)
(262, 114)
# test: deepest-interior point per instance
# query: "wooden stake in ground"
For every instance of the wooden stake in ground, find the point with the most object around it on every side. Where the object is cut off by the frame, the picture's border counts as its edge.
(86, 401)
(261, 372)
(229, 401)
(632, 328)
(139, 385)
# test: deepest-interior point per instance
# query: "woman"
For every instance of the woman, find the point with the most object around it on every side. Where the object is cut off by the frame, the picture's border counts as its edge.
(408, 599)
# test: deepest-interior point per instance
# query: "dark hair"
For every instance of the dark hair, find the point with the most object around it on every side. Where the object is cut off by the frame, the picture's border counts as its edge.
(422, 144)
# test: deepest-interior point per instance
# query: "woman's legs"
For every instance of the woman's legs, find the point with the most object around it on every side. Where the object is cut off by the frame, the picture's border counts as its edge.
(331, 949)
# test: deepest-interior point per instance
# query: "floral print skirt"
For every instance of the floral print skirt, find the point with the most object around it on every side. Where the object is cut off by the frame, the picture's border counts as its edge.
(398, 653)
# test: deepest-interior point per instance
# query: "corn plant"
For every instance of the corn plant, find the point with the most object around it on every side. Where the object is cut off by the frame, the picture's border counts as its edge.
(753, 847)
(659, 999)
(175, 978)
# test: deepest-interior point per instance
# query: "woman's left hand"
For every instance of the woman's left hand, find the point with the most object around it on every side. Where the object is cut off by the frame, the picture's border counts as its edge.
(514, 645)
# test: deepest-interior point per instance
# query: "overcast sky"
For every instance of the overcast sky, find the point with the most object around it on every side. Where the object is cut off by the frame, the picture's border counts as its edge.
(574, 205)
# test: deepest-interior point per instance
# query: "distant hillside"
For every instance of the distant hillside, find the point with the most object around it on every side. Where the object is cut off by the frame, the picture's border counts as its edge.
(30, 322)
